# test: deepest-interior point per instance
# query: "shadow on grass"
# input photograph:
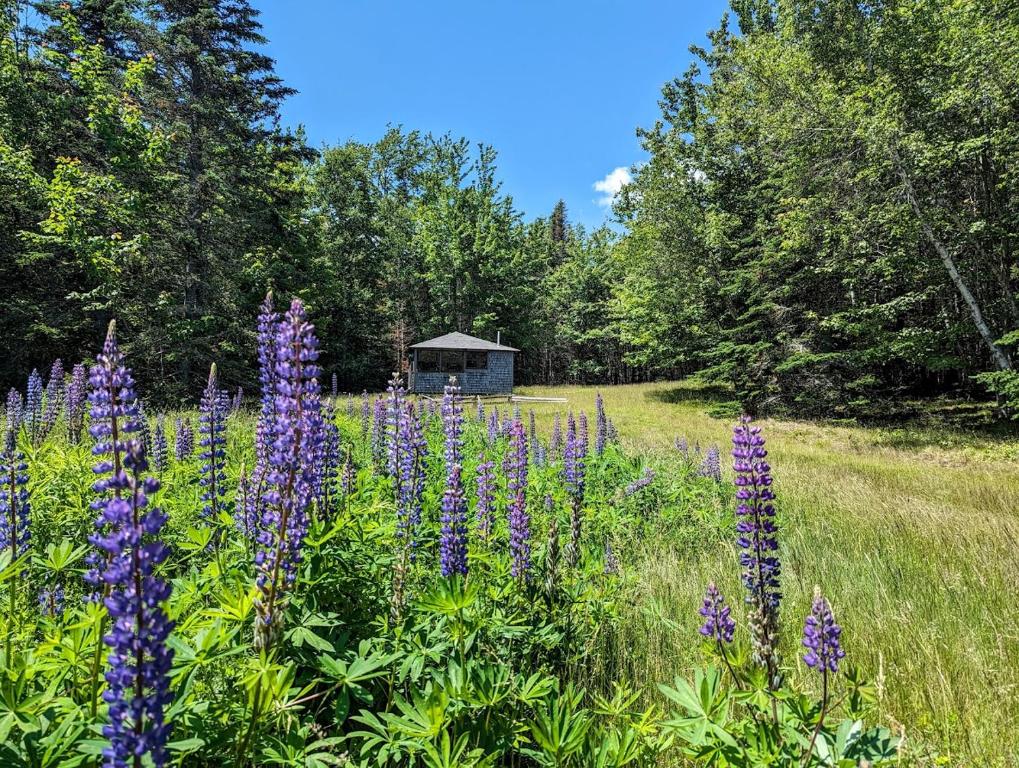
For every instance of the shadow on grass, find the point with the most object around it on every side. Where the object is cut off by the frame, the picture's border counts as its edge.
(908, 423)
(703, 394)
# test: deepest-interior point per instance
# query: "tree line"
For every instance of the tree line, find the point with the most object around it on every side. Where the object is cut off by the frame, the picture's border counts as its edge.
(145, 175)
(826, 220)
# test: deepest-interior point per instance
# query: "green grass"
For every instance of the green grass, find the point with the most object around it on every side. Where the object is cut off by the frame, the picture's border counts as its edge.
(911, 531)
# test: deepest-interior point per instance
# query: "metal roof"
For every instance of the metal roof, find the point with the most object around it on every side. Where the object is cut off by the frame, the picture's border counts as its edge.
(457, 340)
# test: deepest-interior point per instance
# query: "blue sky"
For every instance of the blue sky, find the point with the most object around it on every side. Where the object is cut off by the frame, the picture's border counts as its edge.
(557, 87)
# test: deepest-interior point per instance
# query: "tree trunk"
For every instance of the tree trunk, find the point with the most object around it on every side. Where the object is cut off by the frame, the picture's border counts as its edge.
(1001, 360)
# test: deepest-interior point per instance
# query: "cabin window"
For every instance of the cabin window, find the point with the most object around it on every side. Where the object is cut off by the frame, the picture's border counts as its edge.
(477, 361)
(428, 361)
(452, 361)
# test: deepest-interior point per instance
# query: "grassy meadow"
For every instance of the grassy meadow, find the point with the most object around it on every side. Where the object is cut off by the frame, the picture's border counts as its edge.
(912, 531)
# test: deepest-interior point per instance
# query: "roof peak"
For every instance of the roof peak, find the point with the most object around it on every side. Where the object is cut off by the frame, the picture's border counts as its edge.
(458, 340)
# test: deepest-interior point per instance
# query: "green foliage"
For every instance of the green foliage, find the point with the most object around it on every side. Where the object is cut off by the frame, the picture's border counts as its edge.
(826, 220)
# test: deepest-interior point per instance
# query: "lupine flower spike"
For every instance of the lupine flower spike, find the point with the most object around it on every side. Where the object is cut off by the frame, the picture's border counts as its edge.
(555, 442)
(718, 625)
(573, 472)
(600, 425)
(453, 542)
(15, 508)
(484, 512)
(757, 536)
(295, 466)
(160, 448)
(138, 678)
(711, 466)
(54, 399)
(212, 427)
(33, 407)
(519, 520)
(642, 482)
(822, 639)
(74, 403)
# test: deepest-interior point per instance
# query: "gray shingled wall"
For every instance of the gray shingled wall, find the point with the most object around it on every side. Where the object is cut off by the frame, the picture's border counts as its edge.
(497, 380)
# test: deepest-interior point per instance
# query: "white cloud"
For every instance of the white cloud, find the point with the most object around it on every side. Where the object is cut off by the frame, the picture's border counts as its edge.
(611, 184)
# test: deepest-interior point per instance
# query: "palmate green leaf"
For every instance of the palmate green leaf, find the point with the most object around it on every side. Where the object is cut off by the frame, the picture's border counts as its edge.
(560, 727)
(451, 754)
(705, 716)
(59, 558)
(425, 715)
(450, 596)
(383, 740)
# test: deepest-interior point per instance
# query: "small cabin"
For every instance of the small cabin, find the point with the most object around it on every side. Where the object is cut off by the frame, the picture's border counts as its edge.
(481, 367)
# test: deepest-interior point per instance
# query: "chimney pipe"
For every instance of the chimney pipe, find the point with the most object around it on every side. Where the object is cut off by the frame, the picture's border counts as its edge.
(498, 337)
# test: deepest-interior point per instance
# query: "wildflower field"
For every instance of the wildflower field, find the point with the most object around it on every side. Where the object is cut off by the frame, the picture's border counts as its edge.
(307, 578)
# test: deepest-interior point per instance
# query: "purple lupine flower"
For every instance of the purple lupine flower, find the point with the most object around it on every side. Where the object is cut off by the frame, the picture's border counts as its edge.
(480, 412)
(718, 624)
(484, 512)
(378, 444)
(573, 473)
(366, 415)
(555, 442)
(573, 462)
(683, 447)
(15, 508)
(183, 439)
(611, 567)
(453, 542)
(350, 406)
(144, 433)
(394, 410)
(519, 521)
(235, 406)
(507, 427)
(212, 428)
(113, 420)
(647, 477)
(758, 538)
(583, 443)
(33, 407)
(348, 476)
(539, 454)
(160, 448)
(334, 385)
(77, 390)
(611, 434)
(138, 678)
(452, 424)
(409, 477)
(331, 459)
(532, 433)
(54, 399)
(295, 467)
(51, 602)
(15, 412)
(821, 637)
(711, 466)
(493, 426)
(600, 425)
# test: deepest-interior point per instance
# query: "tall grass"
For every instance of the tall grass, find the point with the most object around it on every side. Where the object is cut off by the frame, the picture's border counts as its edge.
(913, 533)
